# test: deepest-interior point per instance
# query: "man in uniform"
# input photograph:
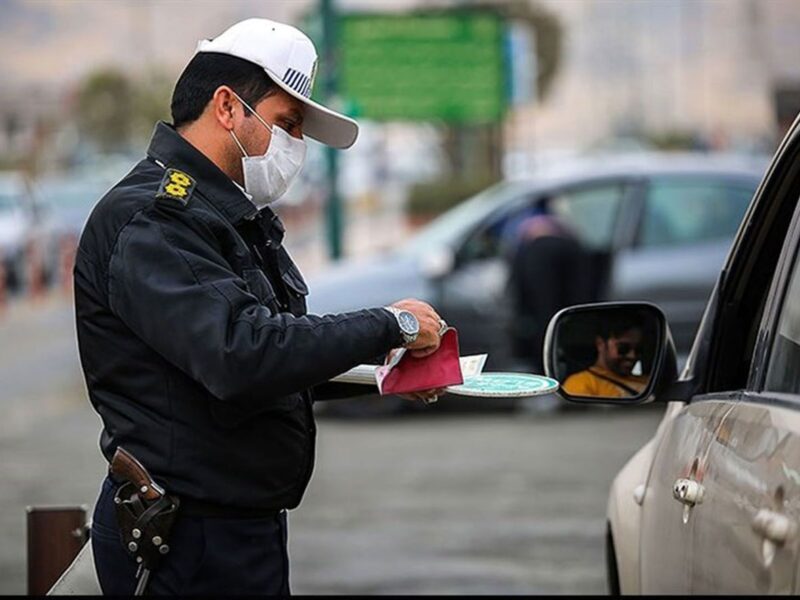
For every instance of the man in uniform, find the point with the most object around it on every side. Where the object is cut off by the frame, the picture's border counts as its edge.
(196, 347)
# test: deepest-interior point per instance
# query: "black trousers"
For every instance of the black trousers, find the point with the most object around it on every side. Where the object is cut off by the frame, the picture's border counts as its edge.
(208, 555)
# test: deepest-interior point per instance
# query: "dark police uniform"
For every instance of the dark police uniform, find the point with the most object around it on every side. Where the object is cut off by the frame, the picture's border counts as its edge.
(199, 357)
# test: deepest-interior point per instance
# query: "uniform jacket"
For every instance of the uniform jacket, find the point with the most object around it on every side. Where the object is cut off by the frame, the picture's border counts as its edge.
(194, 340)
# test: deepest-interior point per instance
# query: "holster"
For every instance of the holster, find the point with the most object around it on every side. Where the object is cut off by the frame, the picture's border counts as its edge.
(145, 525)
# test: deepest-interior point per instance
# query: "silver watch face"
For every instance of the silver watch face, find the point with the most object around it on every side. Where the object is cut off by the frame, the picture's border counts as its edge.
(408, 323)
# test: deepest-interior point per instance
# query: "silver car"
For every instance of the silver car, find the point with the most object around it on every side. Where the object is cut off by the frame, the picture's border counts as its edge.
(711, 505)
(658, 227)
(25, 223)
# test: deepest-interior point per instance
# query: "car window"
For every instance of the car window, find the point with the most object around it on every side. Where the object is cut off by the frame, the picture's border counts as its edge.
(591, 211)
(746, 283)
(783, 371)
(677, 213)
(453, 224)
(496, 237)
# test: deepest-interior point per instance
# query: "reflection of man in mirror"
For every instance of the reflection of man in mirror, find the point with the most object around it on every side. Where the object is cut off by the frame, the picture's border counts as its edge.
(617, 371)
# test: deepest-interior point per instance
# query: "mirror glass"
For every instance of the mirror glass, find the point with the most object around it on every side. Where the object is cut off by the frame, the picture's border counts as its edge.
(606, 353)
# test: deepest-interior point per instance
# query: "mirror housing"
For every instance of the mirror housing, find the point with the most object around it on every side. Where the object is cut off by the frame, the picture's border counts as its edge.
(611, 353)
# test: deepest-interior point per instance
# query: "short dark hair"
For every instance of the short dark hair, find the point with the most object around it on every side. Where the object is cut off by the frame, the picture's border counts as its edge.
(209, 70)
(616, 324)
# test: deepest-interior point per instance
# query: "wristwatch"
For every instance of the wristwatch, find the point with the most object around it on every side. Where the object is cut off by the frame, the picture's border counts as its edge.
(409, 326)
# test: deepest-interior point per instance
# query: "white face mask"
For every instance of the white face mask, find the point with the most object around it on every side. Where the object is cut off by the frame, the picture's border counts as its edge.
(268, 176)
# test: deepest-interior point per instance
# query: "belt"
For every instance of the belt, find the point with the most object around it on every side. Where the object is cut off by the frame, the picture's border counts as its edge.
(192, 507)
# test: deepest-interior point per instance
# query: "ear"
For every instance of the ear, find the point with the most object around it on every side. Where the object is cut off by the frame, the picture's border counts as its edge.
(224, 107)
(599, 344)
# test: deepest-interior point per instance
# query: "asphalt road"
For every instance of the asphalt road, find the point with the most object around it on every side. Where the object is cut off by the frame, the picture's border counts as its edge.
(436, 503)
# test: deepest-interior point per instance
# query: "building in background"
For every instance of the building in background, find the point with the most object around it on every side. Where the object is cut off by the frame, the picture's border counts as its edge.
(642, 69)
(720, 71)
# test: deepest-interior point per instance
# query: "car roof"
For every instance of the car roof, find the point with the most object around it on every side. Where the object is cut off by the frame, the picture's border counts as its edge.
(644, 165)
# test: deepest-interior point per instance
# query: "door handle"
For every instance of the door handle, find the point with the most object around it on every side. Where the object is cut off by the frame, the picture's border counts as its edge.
(689, 493)
(776, 529)
(774, 526)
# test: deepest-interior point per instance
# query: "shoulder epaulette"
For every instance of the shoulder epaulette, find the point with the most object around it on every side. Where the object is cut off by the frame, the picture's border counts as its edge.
(176, 185)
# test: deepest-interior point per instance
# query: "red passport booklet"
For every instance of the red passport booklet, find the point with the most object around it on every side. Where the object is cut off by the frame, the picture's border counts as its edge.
(406, 373)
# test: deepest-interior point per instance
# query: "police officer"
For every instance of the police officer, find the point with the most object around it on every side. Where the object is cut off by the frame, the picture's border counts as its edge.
(196, 347)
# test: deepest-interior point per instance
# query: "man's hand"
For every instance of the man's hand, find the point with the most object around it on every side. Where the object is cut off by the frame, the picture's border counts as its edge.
(427, 396)
(430, 323)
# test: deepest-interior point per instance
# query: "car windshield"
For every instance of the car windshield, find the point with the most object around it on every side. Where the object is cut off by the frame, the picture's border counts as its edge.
(454, 223)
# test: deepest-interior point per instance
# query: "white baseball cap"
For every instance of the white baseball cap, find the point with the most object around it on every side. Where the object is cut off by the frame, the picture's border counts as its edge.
(290, 60)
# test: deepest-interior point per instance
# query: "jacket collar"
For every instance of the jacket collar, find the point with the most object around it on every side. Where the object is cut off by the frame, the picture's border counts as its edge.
(171, 150)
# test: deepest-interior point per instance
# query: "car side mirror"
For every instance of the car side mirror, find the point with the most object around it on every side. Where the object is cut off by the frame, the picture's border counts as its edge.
(610, 353)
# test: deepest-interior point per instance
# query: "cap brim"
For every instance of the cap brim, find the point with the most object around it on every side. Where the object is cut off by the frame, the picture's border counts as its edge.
(321, 123)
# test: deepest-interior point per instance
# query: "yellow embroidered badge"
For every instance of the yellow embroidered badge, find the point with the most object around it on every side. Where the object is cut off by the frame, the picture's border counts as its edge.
(176, 185)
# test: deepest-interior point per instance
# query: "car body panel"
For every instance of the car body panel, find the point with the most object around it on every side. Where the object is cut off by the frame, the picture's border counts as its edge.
(624, 512)
(667, 527)
(368, 283)
(474, 299)
(753, 457)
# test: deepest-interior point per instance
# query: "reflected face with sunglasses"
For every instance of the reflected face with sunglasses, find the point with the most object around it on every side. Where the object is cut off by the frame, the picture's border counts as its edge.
(619, 352)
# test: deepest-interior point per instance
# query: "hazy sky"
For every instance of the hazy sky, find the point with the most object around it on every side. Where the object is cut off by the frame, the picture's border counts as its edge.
(59, 40)
(670, 63)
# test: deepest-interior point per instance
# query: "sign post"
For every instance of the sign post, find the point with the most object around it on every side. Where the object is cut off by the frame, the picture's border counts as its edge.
(333, 207)
(443, 66)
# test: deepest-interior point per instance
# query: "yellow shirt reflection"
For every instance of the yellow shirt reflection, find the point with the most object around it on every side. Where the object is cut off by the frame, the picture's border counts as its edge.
(599, 382)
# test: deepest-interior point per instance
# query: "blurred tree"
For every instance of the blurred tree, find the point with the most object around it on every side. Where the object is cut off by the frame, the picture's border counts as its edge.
(485, 142)
(104, 114)
(115, 111)
(676, 139)
(430, 198)
(151, 103)
(548, 33)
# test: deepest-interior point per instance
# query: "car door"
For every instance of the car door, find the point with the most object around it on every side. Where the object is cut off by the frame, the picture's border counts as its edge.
(475, 298)
(720, 459)
(599, 213)
(745, 537)
(686, 227)
(472, 297)
(667, 525)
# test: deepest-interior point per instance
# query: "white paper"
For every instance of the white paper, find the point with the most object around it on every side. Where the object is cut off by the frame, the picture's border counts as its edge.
(362, 374)
(366, 374)
(472, 365)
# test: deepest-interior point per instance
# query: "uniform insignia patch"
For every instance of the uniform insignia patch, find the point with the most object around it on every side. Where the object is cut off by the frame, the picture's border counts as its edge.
(176, 185)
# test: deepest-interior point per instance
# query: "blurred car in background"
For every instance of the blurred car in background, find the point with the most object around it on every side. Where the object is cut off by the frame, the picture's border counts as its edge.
(70, 197)
(658, 228)
(26, 227)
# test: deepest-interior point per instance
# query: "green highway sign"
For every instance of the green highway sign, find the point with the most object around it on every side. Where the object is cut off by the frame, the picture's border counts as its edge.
(423, 66)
